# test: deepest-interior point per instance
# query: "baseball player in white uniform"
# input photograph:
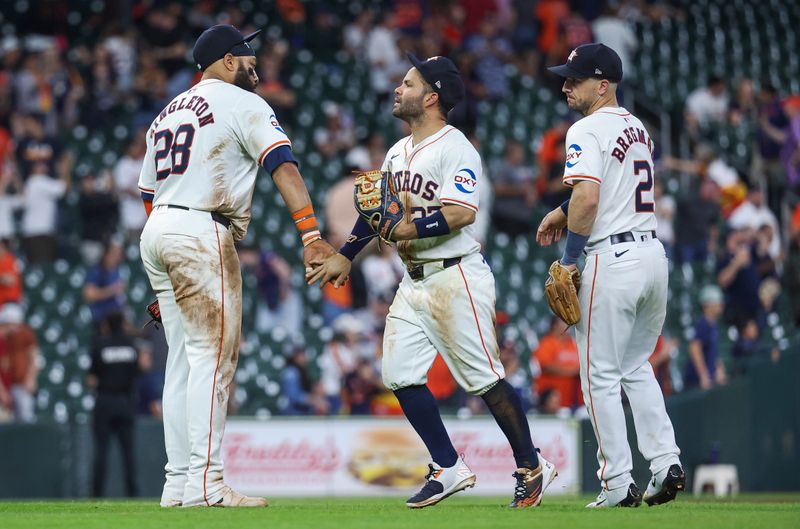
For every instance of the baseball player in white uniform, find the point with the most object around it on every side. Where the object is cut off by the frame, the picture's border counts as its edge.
(623, 293)
(446, 300)
(203, 154)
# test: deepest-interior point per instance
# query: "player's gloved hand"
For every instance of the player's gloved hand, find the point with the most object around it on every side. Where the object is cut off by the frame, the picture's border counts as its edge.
(551, 227)
(154, 310)
(561, 291)
(336, 268)
(376, 200)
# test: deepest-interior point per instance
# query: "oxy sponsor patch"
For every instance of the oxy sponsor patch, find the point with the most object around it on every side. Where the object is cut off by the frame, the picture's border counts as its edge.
(465, 180)
(574, 155)
(274, 122)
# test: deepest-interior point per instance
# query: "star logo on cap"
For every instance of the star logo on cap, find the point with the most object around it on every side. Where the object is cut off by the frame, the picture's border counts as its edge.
(572, 55)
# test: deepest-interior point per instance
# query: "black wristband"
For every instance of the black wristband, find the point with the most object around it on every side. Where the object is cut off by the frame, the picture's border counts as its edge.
(565, 207)
(359, 237)
(432, 226)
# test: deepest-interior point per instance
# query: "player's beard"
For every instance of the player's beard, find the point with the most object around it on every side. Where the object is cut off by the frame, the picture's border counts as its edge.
(243, 80)
(409, 109)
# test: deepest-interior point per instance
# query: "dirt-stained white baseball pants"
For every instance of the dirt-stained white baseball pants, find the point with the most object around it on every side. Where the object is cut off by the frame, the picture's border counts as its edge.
(194, 270)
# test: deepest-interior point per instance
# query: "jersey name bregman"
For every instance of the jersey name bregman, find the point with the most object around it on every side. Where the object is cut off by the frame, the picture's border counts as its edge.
(632, 135)
(196, 104)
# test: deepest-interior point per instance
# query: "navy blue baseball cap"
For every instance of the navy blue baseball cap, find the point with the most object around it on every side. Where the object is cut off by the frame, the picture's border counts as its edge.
(591, 60)
(443, 76)
(215, 42)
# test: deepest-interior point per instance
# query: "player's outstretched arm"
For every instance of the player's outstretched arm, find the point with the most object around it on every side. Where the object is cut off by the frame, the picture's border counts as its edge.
(294, 192)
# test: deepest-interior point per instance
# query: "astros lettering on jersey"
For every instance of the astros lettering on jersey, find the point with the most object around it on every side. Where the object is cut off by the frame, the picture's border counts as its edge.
(196, 163)
(442, 169)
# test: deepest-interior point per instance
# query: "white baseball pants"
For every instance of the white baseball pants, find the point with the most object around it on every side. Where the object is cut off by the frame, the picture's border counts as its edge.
(194, 270)
(623, 298)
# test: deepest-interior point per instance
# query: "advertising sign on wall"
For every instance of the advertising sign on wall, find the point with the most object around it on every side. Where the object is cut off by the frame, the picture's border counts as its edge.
(379, 456)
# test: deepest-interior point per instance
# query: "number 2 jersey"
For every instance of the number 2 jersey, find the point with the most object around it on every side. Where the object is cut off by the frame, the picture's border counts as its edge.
(612, 148)
(204, 149)
(442, 169)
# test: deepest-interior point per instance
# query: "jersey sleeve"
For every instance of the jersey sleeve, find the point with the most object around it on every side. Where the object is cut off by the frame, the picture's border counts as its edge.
(584, 157)
(147, 176)
(262, 136)
(461, 172)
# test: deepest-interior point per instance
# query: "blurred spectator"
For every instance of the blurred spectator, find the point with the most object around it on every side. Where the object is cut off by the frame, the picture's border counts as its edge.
(515, 374)
(356, 32)
(300, 394)
(665, 214)
(743, 107)
(514, 192)
(442, 384)
(749, 346)
(116, 363)
(324, 37)
(791, 269)
(98, 210)
(767, 152)
(360, 386)
(386, 64)
(165, 37)
(10, 201)
(550, 401)
(18, 366)
(696, 217)
(616, 33)
(706, 105)
(492, 51)
(661, 359)
(280, 303)
(754, 214)
(738, 275)
(273, 84)
(339, 358)
(384, 270)
(10, 276)
(126, 185)
(551, 158)
(704, 367)
(41, 195)
(549, 14)
(35, 146)
(366, 155)
(338, 134)
(557, 355)
(104, 290)
(789, 138)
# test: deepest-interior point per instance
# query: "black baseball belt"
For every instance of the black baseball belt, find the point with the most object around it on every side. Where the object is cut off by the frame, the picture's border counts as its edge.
(218, 217)
(628, 237)
(417, 272)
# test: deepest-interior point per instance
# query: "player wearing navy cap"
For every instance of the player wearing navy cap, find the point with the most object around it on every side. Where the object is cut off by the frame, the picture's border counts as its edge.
(446, 300)
(623, 294)
(203, 153)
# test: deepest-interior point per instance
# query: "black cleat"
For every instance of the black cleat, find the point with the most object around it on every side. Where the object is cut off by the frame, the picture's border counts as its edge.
(673, 482)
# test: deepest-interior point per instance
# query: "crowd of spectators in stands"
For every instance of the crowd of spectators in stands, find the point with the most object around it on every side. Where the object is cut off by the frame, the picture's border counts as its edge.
(130, 60)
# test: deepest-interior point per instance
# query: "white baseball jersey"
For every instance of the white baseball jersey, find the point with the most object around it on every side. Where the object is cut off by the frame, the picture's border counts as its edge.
(204, 149)
(612, 148)
(444, 168)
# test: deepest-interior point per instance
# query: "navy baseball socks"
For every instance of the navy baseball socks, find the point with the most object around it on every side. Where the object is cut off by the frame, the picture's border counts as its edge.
(534, 473)
(448, 473)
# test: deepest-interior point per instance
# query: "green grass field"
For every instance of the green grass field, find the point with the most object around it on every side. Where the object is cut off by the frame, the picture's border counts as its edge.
(748, 511)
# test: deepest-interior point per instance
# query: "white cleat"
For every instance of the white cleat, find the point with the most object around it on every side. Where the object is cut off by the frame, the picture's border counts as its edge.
(442, 482)
(231, 498)
(621, 497)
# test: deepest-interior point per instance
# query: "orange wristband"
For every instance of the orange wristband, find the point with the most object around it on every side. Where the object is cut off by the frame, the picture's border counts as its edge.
(306, 223)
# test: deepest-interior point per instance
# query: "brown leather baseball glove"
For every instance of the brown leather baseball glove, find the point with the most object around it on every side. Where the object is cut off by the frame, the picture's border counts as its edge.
(378, 202)
(561, 290)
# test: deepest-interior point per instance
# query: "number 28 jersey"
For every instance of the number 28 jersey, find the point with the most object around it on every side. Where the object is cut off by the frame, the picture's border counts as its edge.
(442, 169)
(612, 148)
(204, 149)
